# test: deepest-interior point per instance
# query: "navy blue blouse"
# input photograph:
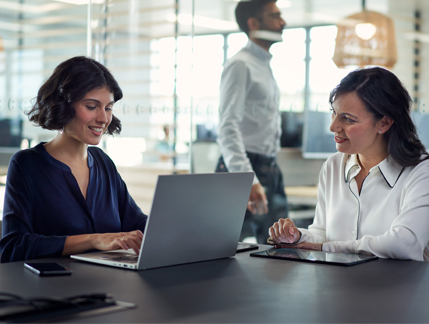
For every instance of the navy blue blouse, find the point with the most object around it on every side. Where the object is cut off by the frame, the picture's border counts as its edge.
(43, 204)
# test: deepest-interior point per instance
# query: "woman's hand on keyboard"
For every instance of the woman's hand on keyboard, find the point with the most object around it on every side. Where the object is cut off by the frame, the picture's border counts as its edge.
(107, 241)
(122, 240)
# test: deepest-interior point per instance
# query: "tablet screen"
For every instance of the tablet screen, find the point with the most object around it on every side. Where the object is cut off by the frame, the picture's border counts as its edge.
(345, 259)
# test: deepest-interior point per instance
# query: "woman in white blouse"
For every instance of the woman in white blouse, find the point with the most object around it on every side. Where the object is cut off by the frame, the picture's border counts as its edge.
(374, 193)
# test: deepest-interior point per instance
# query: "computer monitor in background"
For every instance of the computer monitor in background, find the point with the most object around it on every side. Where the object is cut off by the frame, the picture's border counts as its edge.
(10, 138)
(206, 133)
(10, 132)
(317, 140)
(291, 124)
(421, 120)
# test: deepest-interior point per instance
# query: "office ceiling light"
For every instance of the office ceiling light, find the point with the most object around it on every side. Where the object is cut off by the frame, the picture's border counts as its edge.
(365, 30)
(368, 38)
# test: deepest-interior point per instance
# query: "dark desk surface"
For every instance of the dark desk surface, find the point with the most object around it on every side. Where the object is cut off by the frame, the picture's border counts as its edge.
(243, 289)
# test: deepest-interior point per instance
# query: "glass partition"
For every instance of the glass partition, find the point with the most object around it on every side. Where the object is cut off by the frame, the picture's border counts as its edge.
(168, 57)
(138, 41)
(124, 38)
(37, 35)
(324, 74)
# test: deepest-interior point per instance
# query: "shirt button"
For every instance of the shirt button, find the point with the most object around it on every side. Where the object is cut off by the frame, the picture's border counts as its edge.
(353, 232)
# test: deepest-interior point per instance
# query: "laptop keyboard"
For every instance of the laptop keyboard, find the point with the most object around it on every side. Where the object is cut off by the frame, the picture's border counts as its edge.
(126, 258)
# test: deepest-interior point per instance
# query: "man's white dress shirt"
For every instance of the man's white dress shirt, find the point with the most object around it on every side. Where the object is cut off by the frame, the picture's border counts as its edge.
(249, 118)
(388, 218)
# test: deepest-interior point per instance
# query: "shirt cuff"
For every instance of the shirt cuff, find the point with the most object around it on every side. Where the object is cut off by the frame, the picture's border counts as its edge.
(304, 237)
(255, 180)
(325, 247)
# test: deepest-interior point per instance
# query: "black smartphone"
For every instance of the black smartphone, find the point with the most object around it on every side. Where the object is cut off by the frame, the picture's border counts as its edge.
(47, 268)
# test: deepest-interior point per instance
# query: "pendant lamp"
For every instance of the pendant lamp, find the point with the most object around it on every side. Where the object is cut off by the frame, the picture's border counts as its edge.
(365, 38)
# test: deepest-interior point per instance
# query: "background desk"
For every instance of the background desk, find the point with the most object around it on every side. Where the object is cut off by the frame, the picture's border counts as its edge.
(243, 289)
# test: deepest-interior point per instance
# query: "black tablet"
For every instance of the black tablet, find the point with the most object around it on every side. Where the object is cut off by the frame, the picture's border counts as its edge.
(344, 259)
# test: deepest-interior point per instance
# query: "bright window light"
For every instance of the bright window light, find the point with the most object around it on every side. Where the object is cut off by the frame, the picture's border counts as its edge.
(81, 2)
(201, 21)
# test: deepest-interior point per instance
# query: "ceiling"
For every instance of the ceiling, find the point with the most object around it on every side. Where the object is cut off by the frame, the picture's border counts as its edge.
(298, 13)
(210, 16)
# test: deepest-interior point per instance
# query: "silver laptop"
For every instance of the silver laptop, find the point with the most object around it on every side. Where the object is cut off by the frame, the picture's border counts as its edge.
(194, 217)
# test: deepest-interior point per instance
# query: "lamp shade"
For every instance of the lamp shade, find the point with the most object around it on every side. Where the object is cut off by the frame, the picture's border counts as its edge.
(366, 38)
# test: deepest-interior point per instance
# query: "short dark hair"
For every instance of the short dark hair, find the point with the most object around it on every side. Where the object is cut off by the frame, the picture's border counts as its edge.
(383, 94)
(69, 83)
(249, 9)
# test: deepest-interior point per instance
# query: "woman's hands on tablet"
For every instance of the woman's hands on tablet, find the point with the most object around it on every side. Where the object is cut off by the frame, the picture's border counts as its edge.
(307, 246)
(285, 231)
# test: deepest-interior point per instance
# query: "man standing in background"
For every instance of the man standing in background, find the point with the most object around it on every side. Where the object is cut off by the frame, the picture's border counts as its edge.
(249, 121)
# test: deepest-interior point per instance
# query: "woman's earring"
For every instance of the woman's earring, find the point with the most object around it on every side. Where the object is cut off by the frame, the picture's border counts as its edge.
(62, 130)
(379, 132)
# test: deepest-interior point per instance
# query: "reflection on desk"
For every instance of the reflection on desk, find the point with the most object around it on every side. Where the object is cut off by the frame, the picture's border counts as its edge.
(344, 259)
(242, 289)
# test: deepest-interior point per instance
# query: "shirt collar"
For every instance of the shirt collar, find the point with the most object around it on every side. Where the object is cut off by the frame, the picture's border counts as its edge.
(389, 169)
(352, 167)
(90, 159)
(258, 51)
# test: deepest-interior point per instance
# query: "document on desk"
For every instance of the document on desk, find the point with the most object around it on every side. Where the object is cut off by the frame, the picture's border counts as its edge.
(343, 259)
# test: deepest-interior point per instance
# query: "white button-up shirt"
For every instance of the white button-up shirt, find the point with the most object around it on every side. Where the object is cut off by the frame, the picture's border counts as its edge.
(249, 118)
(389, 218)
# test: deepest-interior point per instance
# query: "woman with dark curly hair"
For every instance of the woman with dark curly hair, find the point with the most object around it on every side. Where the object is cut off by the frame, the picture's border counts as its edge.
(374, 193)
(65, 196)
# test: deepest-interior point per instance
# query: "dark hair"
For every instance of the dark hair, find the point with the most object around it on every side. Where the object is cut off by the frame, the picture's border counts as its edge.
(249, 9)
(69, 83)
(383, 94)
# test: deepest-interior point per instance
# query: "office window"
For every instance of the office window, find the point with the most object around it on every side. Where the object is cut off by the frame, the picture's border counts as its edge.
(287, 63)
(199, 66)
(236, 42)
(289, 68)
(324, 74)
(36, 36)
(207, 69)
(125, 39)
